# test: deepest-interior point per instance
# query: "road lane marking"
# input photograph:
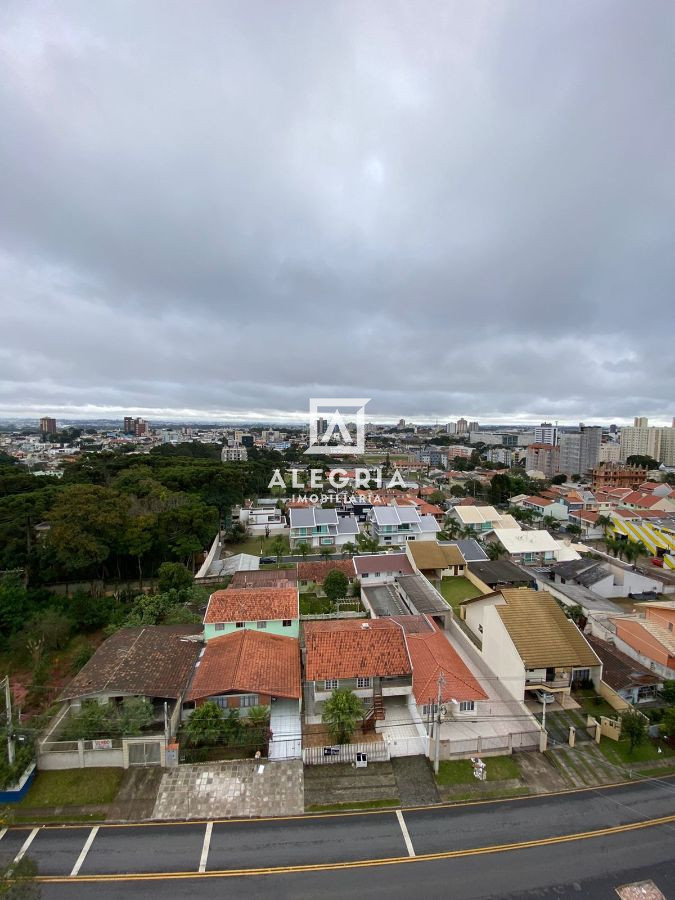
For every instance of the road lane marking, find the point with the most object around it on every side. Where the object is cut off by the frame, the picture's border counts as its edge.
(365, 863)
(205, 847)
(3, 832)
(26, 844)
(406, 836)
(83, 853)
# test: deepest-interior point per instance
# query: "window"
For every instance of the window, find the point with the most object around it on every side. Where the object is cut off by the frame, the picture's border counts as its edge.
(238, 624)
(467, 706)
(220, 626)
(248, 700)
(363, 682)
(377, 575)
(286, 623)
(326, 541)
(330, 684)
(262, 624)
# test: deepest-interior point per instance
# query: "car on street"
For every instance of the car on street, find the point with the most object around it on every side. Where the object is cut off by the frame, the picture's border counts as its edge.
(267, 560)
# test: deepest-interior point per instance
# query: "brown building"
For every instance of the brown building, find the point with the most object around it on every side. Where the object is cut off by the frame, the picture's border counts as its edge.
(47, 425)
(606, 476)
(543, 458)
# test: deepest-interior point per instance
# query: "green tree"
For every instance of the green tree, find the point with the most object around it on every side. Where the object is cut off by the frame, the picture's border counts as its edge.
(495, 550)
(634, 727)
(604, 522)
(500, 488)
(279, 546)
(349, 548)
(326, 552)
(647, 462)
(668, 691)
(136, 714)
(341, 714)
(139, 538)
(303, 549)
(174, 576)
(206, 725)
(335, 585)
(18, 880)
(573, 529)
(13, 605)
(559, 479)
(667, 726)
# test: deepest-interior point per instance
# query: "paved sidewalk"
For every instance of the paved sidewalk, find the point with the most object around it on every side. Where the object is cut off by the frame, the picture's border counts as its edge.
(243, 788)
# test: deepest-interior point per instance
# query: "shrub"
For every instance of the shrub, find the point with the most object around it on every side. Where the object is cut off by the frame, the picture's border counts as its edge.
(174, 576)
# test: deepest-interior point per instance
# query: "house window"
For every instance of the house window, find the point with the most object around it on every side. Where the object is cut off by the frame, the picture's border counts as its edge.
(330, 684)
(363, 682)
(467, 706)
(326, 541)
(262, 624)
(238, 624)
(286, 623)
(220, 626)
(246, 700)
(377, 574)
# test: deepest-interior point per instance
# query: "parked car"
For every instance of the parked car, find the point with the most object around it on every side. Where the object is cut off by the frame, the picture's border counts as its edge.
(657, 561)
(544, 697)
(266, 560)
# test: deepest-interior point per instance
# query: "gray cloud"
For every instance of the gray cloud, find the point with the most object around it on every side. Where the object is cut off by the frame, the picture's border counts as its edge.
(451, 208)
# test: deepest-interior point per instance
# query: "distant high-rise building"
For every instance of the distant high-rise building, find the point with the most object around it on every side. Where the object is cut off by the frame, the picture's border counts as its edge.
(640, 422)
(473, 426)
(129, 426)
(234, 454)
(451, 428)
(579, 450)
(542, 458)
(140, 427)
(648, 440)
(546, 433)
(462, 426)
(609, 452)
(401, 423)
(47, 425)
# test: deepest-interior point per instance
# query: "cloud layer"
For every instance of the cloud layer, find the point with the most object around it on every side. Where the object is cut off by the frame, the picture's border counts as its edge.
(226, 208)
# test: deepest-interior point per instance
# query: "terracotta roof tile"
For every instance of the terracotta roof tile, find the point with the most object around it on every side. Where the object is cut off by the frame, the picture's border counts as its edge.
(260, 578)
(252, 605)
(317, 571)
(431, 655)
(353, 648)
(248, 661)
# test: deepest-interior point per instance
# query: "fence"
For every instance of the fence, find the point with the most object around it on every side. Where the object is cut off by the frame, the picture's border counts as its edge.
(494, 745)
(377, 751)
(310, 617)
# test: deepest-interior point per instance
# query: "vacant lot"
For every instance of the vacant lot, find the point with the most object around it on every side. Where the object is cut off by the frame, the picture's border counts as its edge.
(454, 590)
(73, 787)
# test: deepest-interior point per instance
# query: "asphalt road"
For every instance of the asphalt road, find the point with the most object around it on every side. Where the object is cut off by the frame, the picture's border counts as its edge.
(586, 843)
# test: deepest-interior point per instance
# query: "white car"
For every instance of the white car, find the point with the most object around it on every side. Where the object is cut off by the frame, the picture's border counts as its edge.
(544, 697)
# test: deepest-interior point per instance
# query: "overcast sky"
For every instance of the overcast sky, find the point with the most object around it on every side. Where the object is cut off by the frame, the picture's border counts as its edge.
(224, 208)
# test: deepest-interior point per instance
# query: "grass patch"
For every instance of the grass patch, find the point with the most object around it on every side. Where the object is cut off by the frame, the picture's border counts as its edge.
(499, 794)
(619, 753)
(73, 787)
(456, 589)
(28, 819)
(460, 771)
(596, 706)
(357, 804)
(657, 772)
(310, 604)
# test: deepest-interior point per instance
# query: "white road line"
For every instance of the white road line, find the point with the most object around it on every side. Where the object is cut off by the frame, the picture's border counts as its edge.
(26, 844)
(3, 832)
(406, 836)
(205, 847)
(83, 853)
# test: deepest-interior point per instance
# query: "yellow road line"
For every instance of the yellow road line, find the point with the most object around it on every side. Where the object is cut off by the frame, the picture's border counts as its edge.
(364, 863)
(388, 810)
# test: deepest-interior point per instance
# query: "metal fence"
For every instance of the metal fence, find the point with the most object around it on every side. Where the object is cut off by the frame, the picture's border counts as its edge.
(377, 751)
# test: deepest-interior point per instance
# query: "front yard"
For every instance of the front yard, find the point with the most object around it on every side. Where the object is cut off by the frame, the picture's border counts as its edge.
(73, 787)
(619, 752)
(460, 771)
(456, 589)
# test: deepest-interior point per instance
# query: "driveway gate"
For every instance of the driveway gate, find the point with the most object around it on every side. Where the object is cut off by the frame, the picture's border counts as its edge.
(145, 753)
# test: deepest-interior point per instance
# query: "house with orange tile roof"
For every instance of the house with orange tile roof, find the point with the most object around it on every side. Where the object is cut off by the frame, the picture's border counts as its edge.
(312, 574)
(271, 609)
(367, 656)
(246, 668)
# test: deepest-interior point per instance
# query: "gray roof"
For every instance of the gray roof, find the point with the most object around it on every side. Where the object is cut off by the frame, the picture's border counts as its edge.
(584, 571)
(577, 593)
(308, 517)
(385, 600)
(348, 525)
(422, 595)
(471, 550)
(499, 571)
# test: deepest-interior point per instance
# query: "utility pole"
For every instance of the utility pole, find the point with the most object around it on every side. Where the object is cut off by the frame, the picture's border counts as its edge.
(437, 752)
(10, 730)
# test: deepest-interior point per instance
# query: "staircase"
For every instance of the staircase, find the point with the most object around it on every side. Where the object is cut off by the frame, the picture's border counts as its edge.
(375, 713)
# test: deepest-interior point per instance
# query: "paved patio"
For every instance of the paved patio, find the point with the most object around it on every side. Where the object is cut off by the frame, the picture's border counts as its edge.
(242, 788)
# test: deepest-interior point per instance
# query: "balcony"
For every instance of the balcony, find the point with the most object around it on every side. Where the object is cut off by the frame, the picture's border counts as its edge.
(560, 680)
(395, 686)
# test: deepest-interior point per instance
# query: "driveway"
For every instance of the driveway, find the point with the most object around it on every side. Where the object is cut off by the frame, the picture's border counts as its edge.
(241, 788)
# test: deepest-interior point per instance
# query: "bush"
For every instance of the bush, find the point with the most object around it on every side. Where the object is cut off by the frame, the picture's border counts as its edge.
(174, 576)
(97, 720)
(82, 657)
(89, 613)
